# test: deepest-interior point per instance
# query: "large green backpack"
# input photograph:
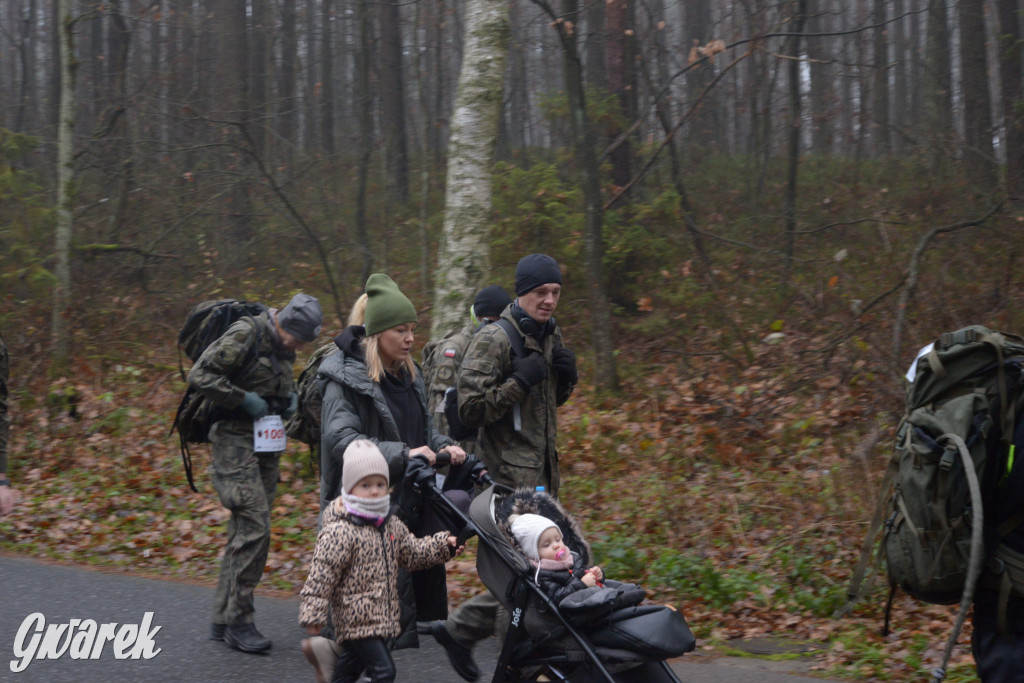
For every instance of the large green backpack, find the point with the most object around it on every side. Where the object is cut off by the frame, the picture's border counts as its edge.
(963, 388)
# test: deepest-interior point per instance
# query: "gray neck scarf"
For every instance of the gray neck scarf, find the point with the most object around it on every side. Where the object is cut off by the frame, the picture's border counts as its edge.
(374, 509)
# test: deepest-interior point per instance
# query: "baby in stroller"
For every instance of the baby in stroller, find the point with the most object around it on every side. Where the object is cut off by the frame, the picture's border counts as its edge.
(568, 622)
(560, 571)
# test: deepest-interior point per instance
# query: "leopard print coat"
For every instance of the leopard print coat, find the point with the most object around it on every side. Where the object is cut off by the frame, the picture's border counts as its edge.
(355, 570)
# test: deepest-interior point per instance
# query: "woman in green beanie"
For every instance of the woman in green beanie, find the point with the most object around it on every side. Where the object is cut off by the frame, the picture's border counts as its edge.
(374, 390)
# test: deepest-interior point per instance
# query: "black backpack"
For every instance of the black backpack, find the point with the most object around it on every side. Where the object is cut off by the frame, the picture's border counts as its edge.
(204, 324)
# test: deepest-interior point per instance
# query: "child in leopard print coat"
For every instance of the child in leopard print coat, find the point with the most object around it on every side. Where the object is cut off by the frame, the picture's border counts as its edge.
(355, 564)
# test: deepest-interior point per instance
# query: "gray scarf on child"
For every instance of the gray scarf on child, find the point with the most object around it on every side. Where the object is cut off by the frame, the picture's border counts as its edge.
(373, 509)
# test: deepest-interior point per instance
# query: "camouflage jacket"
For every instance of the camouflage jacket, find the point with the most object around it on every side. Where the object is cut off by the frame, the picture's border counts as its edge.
(445, 356)
(245, 358)
(355, 570)
(487, 397)
(5, 419)
(355, 408)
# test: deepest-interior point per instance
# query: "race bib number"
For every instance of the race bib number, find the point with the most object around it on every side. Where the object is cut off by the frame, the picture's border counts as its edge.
(268, 434)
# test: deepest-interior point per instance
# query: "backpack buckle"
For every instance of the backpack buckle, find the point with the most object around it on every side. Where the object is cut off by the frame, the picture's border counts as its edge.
(948, 458)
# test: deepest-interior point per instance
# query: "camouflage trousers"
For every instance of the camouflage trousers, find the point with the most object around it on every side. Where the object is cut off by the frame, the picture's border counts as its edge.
(246, 483)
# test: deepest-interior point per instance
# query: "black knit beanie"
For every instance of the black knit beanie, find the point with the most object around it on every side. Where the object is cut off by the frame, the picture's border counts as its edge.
(491, 301)
(535, 270)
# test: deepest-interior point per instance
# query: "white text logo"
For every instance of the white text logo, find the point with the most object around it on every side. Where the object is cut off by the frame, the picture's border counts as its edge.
(81, 639)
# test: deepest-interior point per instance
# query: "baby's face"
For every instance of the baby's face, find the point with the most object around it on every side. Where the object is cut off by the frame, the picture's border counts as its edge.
(550, 546)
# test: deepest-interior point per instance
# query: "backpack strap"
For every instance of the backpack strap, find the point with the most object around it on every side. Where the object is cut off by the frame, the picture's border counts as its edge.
(977, 558)
(518, 347)
(518, 351)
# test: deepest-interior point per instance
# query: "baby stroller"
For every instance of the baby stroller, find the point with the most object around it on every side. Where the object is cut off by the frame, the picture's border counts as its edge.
(608, 638)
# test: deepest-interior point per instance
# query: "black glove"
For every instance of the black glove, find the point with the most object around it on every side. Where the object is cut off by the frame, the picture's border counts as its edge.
(564, 362)
(419, 471)
(529, 370)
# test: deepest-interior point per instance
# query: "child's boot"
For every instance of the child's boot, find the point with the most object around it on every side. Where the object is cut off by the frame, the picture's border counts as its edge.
(322, 653)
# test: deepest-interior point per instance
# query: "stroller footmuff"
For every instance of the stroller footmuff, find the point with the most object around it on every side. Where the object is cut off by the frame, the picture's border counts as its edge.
(596, 634)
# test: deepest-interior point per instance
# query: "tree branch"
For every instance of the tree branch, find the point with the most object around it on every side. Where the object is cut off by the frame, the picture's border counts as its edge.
(912, 272)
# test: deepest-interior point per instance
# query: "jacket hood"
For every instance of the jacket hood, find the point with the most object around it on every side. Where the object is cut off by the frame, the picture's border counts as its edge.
(349, 341)
(524, 501)
(348, 367)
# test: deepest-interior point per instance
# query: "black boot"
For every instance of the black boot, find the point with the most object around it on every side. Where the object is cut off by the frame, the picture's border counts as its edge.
(217, 631)
(246, 638)
(460, 656)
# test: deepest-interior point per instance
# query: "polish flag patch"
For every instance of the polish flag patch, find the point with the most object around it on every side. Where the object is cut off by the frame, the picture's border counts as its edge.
(449, 353)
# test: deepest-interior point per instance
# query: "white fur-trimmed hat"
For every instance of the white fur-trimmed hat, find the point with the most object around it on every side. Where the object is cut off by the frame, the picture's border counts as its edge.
(361, 459)
(527, 530)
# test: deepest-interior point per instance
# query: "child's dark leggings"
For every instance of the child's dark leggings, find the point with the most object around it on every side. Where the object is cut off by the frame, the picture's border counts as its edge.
(368, 654)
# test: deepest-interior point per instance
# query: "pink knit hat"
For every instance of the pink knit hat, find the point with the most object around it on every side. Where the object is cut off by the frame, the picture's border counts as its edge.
(361, 459)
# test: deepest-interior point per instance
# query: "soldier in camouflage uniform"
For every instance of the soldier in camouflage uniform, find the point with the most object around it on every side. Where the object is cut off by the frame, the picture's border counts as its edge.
(7, 494)
(247, 373)
(442, 358)
(513, 399)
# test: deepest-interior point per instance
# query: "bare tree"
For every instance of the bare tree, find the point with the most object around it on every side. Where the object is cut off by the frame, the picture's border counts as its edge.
(822, 74)
(392, 100)
(364, 108)
(621, 47)
(795, 118)
(327, 78)
(287, 119)
(583, 143)
(1012, 94)
(979, 154)
(938, 102)
(880, 94)
(231, 108)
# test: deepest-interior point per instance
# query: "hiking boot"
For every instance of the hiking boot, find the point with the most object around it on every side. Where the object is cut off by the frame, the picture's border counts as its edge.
(407, 639)
(322, 653)
(460, 656)
(217, 631)
(246, 638)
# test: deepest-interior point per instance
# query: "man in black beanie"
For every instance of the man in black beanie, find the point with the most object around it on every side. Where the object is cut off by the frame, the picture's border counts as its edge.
(513, 376)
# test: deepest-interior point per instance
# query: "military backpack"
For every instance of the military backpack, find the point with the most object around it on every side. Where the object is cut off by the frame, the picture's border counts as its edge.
(304, 425)
(953, 449)
(204, 324)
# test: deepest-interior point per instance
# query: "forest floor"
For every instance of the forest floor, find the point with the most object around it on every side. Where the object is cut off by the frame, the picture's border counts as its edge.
(739, 495)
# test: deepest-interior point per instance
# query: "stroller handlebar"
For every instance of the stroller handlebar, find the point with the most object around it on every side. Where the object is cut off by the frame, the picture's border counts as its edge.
(477, 469)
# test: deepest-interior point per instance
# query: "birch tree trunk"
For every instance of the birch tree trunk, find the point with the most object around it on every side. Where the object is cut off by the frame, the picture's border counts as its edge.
(65, 178)
(463, 262)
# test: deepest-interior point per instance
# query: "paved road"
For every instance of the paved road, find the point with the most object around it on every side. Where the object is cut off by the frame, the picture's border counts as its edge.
(61, 594)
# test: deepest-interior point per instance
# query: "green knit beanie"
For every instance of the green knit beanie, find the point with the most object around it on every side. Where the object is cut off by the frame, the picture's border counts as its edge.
(386, 306)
